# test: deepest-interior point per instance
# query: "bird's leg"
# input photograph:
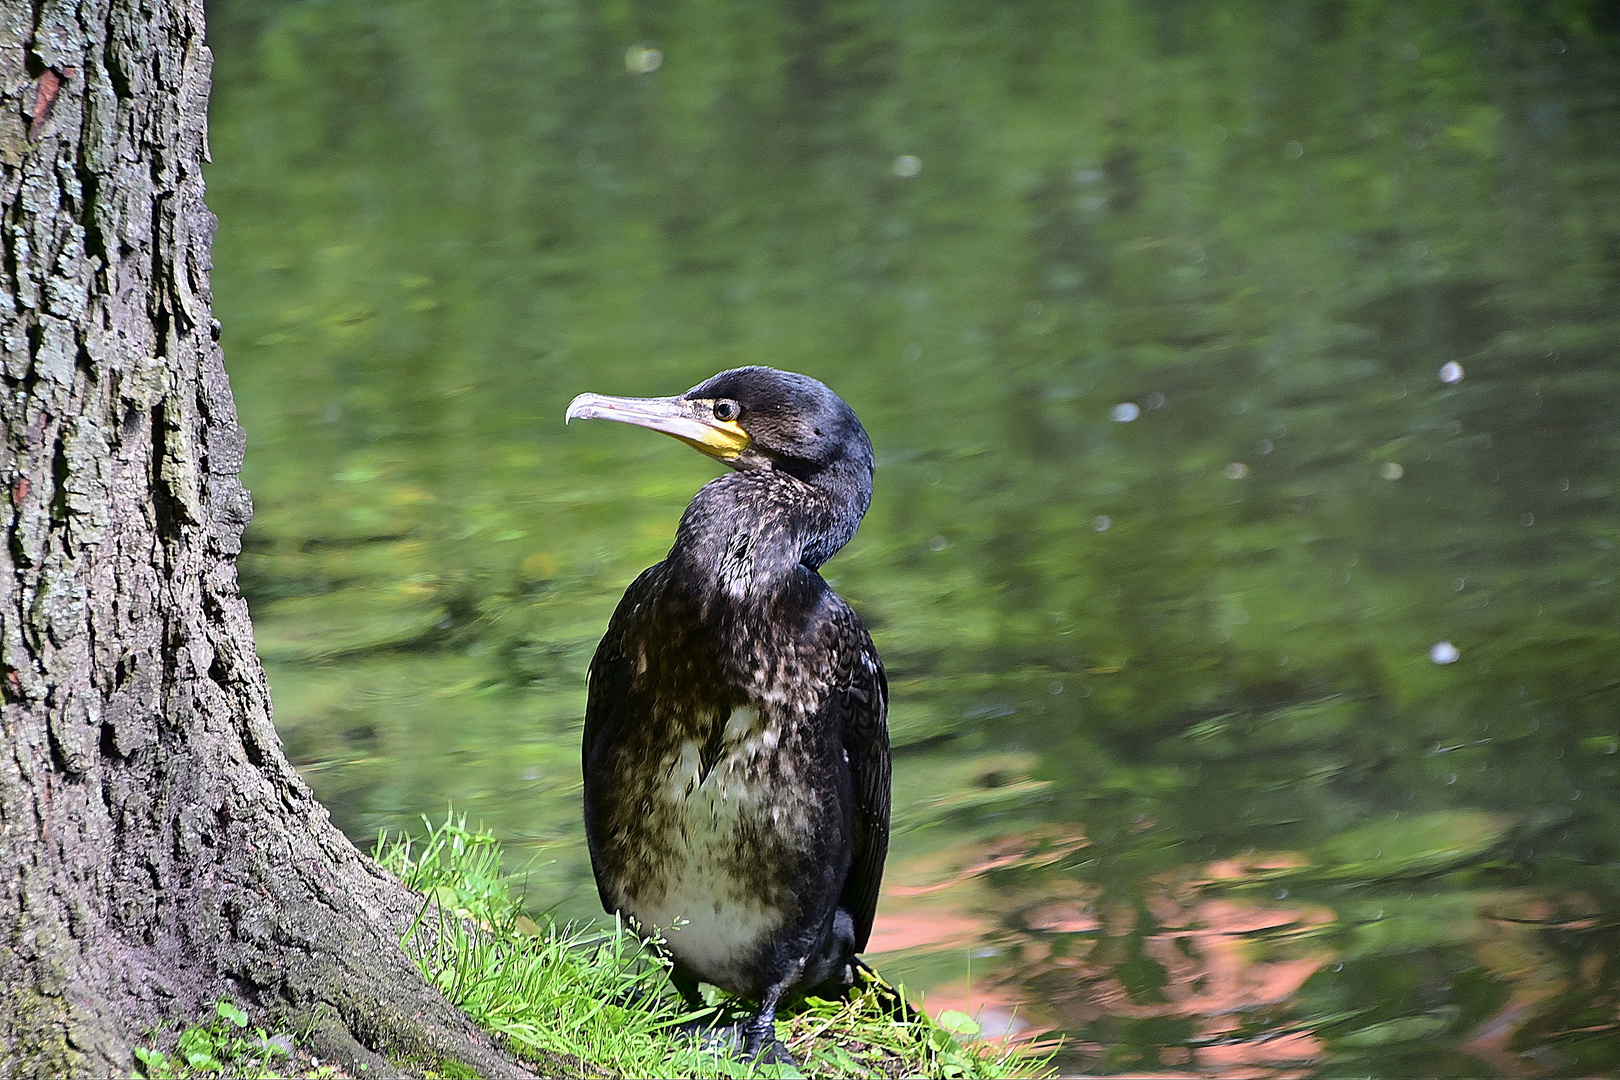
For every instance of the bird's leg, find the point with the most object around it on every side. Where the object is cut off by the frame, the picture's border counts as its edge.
(759, 1030)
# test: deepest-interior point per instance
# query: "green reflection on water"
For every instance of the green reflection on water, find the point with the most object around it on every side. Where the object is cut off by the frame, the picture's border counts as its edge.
(1148, 308)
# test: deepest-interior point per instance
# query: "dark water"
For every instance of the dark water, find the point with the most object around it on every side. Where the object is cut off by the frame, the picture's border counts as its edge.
(1246, 386)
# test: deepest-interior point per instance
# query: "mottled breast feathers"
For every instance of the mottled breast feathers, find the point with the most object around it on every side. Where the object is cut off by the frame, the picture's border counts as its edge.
(659, 653)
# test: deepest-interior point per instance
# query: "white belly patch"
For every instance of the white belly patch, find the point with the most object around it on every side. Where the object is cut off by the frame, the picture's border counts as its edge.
(709, 919)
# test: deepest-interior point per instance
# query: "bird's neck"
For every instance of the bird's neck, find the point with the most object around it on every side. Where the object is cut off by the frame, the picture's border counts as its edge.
(748, 531)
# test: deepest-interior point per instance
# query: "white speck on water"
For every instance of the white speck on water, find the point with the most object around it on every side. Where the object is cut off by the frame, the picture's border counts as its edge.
(1294, 149)
(1451, 372)
(1155, 400)
(1237, 471)
(1101, 522)
(906, 166)
(1265, 447)
(1444, 652)
(1056, 687)
(1125, 412)
(1391, 470)
(642, 59)
(937, 544)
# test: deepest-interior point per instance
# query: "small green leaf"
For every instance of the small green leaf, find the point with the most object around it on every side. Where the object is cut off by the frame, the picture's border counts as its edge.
(154, 1063)
(958, 1023)
(203, 1059)
(196, 1039)
(232, 1013)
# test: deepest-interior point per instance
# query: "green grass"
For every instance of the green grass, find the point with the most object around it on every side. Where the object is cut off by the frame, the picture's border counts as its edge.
(224, 1046)
(600, 994)
(596, 993)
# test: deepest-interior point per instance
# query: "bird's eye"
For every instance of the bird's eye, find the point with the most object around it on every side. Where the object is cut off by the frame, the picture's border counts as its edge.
(727, 410)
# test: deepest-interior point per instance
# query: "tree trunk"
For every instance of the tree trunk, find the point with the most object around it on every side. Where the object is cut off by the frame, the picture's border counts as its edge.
(156, 849)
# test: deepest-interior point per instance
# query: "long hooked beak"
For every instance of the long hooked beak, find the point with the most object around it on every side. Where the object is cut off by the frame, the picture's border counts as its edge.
(691, 421)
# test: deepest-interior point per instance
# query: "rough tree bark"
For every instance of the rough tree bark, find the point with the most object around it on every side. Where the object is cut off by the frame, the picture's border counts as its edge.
(156, 849)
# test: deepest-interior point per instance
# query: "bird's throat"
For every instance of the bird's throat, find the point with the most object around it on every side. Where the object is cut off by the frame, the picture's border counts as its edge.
(748, 533)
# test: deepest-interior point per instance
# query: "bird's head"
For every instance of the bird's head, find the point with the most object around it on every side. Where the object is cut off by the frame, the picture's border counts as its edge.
(751, 418)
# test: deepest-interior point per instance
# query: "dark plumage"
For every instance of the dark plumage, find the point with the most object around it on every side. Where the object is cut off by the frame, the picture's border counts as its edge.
(736, 753)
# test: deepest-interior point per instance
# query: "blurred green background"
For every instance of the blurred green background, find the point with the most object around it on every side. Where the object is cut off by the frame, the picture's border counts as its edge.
(1245, 381)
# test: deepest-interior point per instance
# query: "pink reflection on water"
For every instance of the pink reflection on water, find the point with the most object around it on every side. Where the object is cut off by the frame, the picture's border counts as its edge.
(924, 928)
(1049, 952)
(1058, 948)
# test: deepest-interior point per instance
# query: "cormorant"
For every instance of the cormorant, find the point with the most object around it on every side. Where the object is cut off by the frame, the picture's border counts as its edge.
(736, 752)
